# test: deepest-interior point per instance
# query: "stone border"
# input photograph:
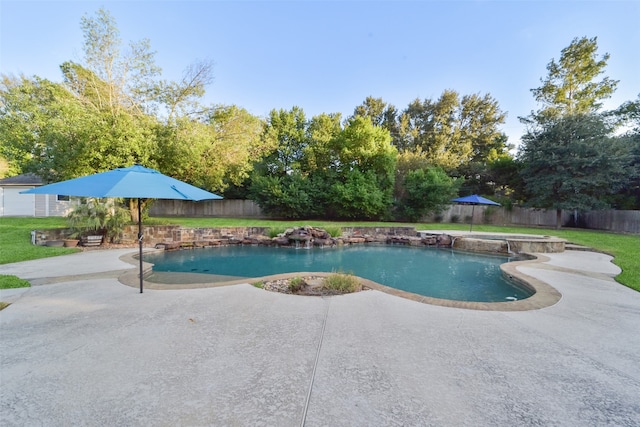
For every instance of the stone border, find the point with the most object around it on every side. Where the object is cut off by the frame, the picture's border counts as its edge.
(544, 296)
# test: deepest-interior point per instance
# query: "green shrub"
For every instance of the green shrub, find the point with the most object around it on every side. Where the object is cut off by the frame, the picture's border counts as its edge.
(426, 191)
(334, 231)
(259, 284)
(341, 282)
(274, 231)
(360, 196)
(289, 196)
(296, 284)
(455, 219)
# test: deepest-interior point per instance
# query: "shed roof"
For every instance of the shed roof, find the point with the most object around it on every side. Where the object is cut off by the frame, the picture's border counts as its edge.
(24, 179)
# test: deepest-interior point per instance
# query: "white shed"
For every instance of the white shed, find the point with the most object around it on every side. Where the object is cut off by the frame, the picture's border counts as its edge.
(12, 203)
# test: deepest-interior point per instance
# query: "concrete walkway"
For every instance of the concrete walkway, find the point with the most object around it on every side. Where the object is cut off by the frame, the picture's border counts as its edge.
(94, 352)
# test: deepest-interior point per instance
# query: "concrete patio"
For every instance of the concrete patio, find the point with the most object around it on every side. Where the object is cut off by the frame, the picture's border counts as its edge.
(80, 348)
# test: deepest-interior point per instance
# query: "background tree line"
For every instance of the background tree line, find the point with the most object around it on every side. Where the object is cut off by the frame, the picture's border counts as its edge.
(114, 109)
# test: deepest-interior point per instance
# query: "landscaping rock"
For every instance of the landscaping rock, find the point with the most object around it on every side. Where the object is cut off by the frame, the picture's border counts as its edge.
(280, 241)
(443, 240)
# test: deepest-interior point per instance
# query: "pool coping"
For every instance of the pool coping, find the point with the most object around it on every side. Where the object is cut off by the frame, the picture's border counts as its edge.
(545, 295)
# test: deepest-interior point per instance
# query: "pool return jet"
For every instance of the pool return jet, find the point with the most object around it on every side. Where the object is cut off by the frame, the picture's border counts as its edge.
(474, 200)
(134, 182)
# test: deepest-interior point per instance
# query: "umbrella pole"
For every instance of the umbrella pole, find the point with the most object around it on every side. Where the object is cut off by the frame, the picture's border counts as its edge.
(140, 236)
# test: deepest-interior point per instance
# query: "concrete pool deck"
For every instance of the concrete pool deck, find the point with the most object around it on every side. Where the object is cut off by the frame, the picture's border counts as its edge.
(80, 348)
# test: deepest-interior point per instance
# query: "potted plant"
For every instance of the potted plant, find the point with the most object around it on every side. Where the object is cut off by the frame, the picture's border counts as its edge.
(71, 243)
(91, 221)
(87, 221)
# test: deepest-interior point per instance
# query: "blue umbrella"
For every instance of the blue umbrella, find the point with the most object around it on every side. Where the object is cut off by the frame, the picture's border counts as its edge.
(135, 182)
(474, 200)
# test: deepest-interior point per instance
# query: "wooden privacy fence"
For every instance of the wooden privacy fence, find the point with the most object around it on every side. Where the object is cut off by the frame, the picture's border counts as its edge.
(611, 220)
(627, 221)
(226, 208)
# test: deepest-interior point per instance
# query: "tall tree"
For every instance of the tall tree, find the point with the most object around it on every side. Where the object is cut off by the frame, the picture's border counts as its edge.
(380, 113)
(480, 118)
(628, 115)
(570, 87)
(434, 128)
(112, 110)
(427, 190)
(317, 155)
(285, 132)
(407, 162)
(569, 158)
(319, 168)
(128, 76)
(212, 152)
(365, 171)
(573, 163)
(49, 131)
(452, 131)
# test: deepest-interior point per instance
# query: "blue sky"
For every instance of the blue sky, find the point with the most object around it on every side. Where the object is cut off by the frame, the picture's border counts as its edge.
(328, 56)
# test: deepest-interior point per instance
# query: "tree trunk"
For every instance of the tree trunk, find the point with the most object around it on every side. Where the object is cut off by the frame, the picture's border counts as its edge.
(133, 208)
(558, 219)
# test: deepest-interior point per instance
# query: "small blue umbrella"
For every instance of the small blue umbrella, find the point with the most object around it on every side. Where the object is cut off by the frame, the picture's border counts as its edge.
(474, 200)
(135, 182)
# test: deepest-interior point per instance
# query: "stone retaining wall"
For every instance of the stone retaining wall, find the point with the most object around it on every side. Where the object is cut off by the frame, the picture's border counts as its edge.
(176, 237)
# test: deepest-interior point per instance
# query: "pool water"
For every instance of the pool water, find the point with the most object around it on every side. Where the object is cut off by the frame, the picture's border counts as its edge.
(433, 272)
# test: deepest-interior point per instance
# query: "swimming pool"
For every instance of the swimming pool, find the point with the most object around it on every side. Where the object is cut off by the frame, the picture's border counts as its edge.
(437, 273)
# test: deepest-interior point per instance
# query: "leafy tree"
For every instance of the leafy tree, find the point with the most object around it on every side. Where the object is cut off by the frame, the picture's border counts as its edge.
(504, 173)
(359, 196)
(52, 133)
(346, 172)
(628, 114)
(427, 190)
(570, 158)
(480, 117)
(372, 108)
(126, 79)
(573, 163)
(364, 170)
(317, 154)
(363, 146)
(432, 126)
(24, 113)
(112, 110)
(212, 152)
(452, 131)
(287, 196)
(407, 161)
(381, 114)
(5, 169)
(285, 133)
(182, 98)
(571, 87)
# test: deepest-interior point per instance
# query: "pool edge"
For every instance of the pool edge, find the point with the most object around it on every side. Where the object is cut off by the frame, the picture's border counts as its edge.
(545, 295)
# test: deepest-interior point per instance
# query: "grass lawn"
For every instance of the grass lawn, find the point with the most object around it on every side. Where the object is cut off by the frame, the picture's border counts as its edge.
(12, 282)
(15, 237)
(15, 245)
